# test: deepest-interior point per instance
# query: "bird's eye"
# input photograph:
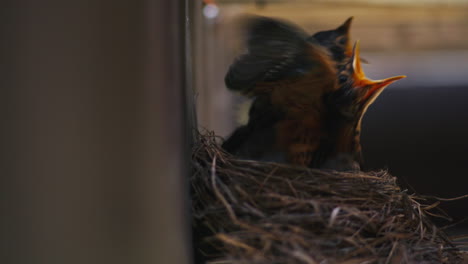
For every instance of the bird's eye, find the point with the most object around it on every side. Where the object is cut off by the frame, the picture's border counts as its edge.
(342, 78)
(342, 41)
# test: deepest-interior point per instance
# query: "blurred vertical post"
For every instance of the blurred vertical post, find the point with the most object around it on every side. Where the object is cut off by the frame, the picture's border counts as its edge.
(93, 132)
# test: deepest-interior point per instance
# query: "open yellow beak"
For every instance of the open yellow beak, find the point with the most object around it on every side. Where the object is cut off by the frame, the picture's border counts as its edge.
(373, 87)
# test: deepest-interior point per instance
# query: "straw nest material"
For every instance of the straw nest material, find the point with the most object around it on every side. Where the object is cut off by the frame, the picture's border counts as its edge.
(258, 212)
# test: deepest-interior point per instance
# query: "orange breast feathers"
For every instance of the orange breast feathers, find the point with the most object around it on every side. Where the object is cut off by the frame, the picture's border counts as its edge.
(299, 139)
(301, 98)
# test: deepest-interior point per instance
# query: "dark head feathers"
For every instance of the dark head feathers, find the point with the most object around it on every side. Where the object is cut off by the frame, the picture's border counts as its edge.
(337, 41)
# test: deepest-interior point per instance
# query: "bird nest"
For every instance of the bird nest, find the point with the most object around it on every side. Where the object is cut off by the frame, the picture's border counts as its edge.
(258, 212)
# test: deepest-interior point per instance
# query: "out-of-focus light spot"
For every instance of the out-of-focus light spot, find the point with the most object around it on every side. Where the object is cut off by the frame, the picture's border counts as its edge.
(210, 11)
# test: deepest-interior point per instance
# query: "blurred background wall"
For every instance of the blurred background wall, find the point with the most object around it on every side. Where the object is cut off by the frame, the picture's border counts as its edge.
(418, 128)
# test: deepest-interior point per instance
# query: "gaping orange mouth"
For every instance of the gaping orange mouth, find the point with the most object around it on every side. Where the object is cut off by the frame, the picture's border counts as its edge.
(373, 87)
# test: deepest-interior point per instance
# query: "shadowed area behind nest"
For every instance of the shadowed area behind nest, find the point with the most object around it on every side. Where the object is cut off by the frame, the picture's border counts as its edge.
(309, 92)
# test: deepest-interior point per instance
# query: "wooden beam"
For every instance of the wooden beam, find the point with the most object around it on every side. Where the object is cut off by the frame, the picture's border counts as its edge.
(93, 132)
